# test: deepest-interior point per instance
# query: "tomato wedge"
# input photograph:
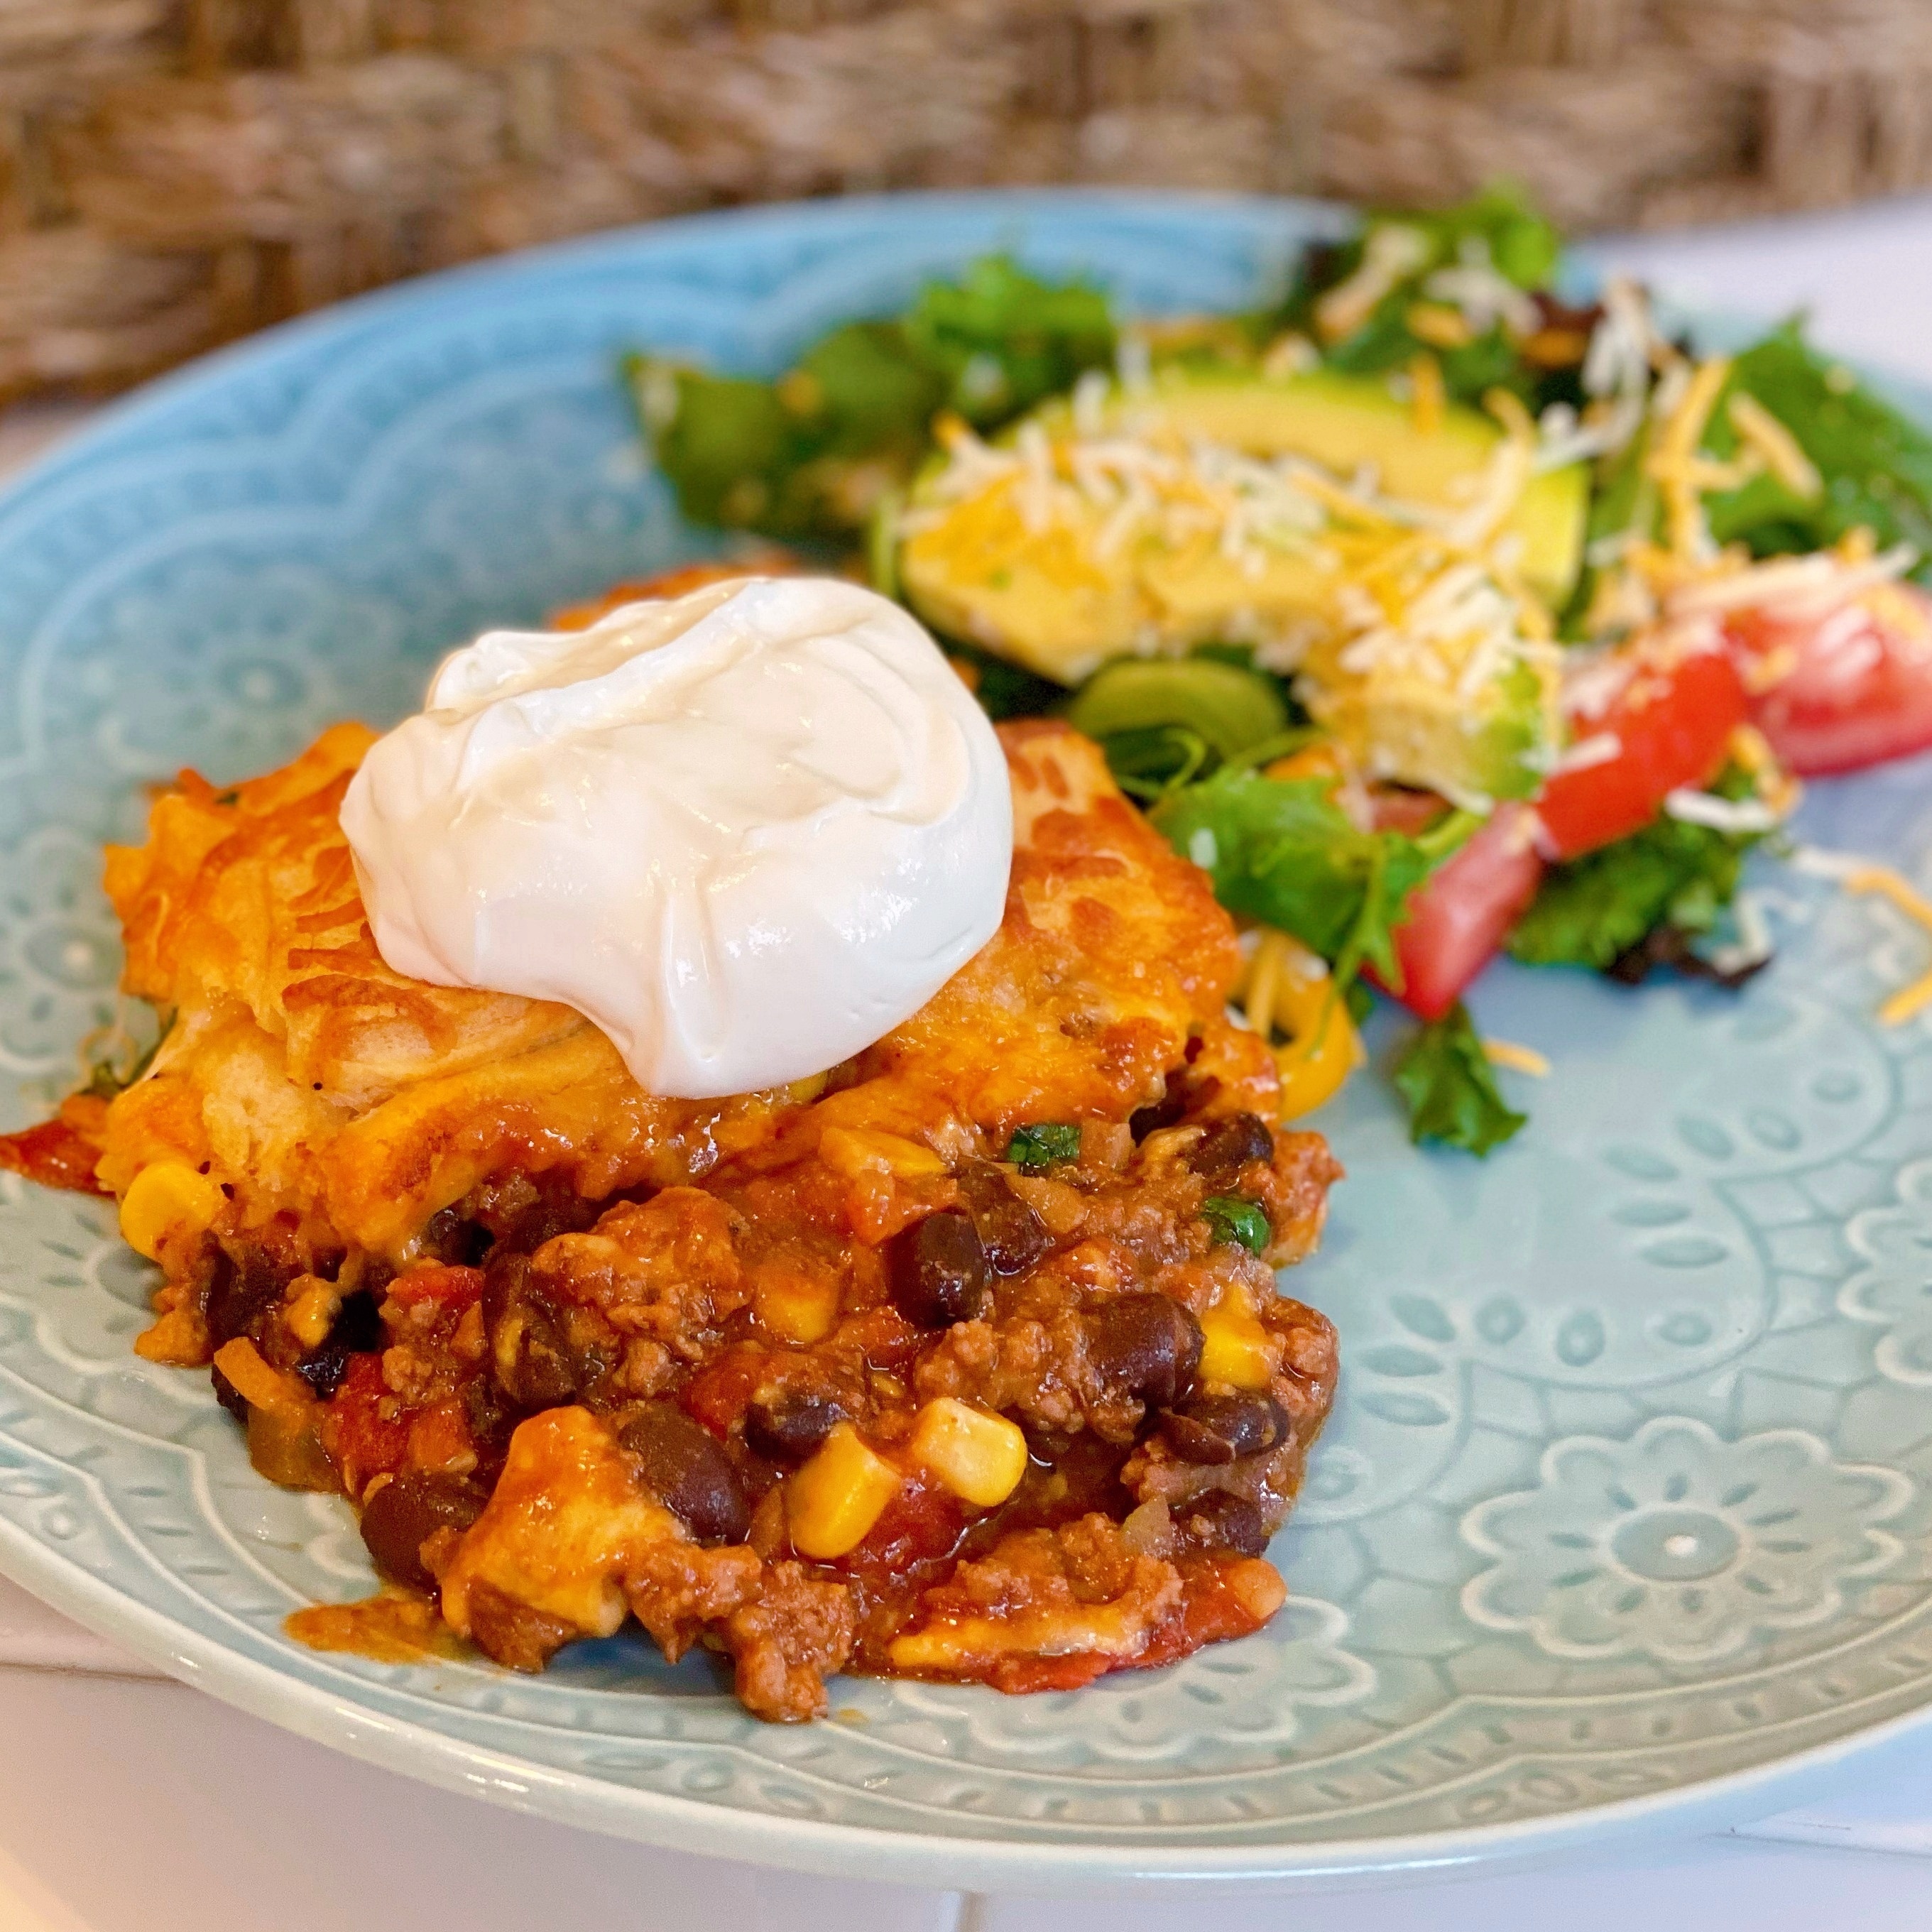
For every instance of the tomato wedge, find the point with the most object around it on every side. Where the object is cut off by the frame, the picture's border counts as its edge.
(1669, 725)
(1859, 688)
(1459, 919)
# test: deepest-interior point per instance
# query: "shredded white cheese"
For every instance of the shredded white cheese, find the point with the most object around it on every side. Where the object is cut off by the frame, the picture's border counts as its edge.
(1722, 814)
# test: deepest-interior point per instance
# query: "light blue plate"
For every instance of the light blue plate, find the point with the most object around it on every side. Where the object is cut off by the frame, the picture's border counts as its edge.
(1623, 1516)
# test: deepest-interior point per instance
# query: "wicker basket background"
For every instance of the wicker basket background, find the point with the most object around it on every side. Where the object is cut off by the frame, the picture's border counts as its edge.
(174, 172)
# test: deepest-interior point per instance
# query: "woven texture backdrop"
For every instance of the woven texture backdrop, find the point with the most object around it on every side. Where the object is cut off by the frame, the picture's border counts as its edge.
(175, 172)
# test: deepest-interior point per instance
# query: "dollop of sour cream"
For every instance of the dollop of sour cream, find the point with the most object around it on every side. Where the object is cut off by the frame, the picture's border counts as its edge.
(746, 832)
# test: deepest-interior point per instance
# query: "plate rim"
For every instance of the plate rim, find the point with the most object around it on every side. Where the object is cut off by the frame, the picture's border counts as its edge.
(418, 1750)
(826, 1848)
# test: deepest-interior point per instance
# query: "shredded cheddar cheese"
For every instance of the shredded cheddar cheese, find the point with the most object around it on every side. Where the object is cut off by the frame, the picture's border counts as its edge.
(1675, 465)
(1392, 253)
(1775, 444)
(1888, 885)
(1518, 1059)
(1862, 877)
(1439, 325)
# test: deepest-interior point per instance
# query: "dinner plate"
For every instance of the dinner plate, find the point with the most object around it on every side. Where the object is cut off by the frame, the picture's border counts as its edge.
(1624, 1516)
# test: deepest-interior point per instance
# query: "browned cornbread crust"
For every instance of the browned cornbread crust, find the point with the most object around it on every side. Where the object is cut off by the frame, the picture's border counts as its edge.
(570, 1345)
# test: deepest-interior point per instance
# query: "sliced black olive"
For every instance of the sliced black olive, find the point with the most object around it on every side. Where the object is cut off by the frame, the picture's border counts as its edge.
(1229, 1144)
(686, 1467)
(1145, 1345)
(1221, 1519)
(405, 1513)
(789, 1427)
(1013, 1237)
(936, 1271)
(1216, 1428)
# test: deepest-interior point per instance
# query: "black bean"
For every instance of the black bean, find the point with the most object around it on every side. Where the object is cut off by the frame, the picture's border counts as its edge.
(357, 1330)
(490, 1421)
(686, 1467)
(230, 1397)
(538, 1360)
(1169, 1111)
(1222, 1519)
(1013, 1237)
(1229, 1144)
(403, 1514)
(936, 1271)
(239, 1297)
(790, 1425)
(1214, 1428)
(450, 1238)
(1145, 1345)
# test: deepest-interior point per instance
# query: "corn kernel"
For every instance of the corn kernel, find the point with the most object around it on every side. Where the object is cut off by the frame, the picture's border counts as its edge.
(798, 1310)
(980, 1457)
(1234, 1348)
(311, 1308)
(836, 1497)
(167, 1201)
(856, 1151)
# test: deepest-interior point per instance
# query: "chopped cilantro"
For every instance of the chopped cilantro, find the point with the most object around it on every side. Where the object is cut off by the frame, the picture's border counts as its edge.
(1233, 1217)
(1450, 1087)
(1045, 1144)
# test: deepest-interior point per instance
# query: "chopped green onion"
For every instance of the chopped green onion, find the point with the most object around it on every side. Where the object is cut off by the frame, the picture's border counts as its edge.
(1233, 1217)
(1045, 1144)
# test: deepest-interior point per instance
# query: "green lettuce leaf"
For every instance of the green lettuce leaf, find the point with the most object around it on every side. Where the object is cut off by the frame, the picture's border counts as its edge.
(812, 455)
(1282, 851)
(1593, 910)
(1499, 221)
(1877, 464)
(1002, 340)
(1450, 1088)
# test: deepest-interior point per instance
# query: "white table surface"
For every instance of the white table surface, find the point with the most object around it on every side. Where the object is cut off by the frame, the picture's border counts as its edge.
(133, 1804)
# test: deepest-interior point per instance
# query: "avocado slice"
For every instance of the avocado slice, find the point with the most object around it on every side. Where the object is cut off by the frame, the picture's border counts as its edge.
(1496, 742)
(1053, 595)
(1345, 422)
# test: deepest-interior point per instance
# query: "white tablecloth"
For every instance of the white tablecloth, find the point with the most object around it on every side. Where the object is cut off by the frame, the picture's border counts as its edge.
(139, 1806)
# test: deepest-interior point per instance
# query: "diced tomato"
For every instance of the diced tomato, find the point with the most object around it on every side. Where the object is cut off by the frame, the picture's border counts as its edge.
(1222, 1597)
(454, 1288)
(56, 1153)
(1670, 724)
(721, 1391)
(365, 1428)
(921, 1524)
(1459, 919)
(1850, 690)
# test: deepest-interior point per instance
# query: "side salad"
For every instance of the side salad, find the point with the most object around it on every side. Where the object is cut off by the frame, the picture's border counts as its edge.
(1435, 610)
